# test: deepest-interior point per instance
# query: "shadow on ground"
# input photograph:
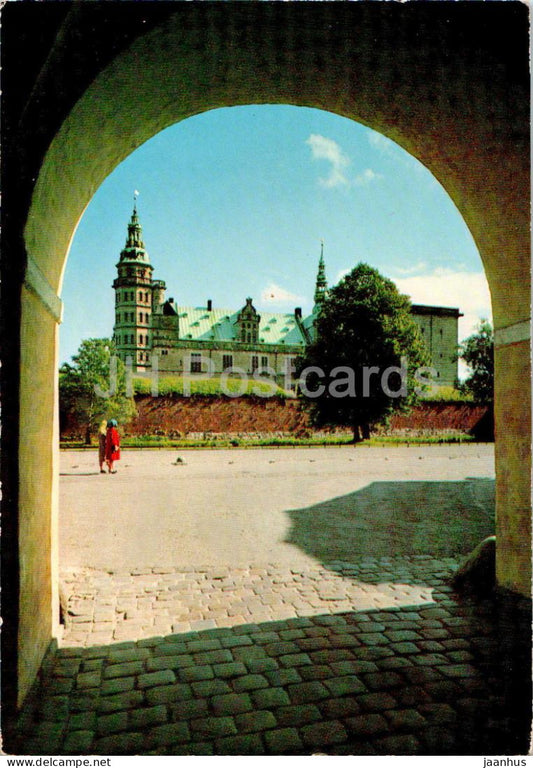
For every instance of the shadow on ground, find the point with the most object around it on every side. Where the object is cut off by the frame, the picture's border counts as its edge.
(446, 679)
(391, 519)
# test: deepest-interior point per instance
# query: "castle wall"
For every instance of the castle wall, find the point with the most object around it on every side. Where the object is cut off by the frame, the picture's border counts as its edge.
(215, 360)
(440, 334)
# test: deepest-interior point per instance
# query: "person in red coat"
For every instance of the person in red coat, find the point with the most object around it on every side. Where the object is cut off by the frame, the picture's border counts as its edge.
(112, 445)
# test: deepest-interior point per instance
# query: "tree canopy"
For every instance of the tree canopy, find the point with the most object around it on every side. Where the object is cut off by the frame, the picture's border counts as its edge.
(93, 388)
(478, 353)
(361, 366)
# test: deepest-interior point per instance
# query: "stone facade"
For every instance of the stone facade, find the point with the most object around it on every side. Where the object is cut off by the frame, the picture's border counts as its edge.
(439, 329)
(195, 341)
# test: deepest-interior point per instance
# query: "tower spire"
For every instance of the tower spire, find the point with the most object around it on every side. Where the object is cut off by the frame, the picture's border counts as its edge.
(321, 282)
(134, 249)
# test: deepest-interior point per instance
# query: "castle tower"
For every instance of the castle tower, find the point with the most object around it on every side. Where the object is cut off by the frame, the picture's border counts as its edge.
(133, 299)
(321, 288)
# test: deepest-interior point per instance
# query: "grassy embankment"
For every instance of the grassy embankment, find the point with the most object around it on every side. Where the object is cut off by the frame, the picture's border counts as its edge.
(174, 386)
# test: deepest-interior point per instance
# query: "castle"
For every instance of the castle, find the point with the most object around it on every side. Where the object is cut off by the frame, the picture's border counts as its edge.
(156, 332)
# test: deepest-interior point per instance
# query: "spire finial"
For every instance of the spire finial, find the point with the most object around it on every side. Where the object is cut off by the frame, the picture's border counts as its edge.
(135, 196)
(321, 282)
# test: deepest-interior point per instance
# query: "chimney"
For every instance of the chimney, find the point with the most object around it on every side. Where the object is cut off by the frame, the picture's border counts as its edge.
(209, 305)
(298, 313)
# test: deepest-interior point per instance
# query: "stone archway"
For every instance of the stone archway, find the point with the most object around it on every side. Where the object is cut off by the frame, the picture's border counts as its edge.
(440, 80)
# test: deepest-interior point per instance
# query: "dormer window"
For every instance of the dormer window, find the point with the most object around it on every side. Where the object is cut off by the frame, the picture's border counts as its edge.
(248, 323)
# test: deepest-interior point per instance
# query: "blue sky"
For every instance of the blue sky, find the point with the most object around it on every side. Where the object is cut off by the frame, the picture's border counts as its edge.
(235, 202)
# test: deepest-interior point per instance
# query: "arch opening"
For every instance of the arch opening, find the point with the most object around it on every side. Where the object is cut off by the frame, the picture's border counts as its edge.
(327, 178)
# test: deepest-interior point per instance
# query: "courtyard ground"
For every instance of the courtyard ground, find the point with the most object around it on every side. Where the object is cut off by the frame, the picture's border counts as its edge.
(279, 601)
(286, 506)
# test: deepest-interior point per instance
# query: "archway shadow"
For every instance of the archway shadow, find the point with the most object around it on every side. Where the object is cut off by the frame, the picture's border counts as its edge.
(441, 679)
(441, 519)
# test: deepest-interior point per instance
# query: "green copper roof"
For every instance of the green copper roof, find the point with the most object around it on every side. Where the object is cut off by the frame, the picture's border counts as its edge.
(199, 324)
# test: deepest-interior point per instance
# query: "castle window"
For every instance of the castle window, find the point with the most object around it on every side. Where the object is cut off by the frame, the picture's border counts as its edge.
(132, 339)
(146, 340)
(146, 297)
(255, 362)
(141, 339)
(196, 362)
(140, 317)
(227, 362)
(248, 337)
(264, 361)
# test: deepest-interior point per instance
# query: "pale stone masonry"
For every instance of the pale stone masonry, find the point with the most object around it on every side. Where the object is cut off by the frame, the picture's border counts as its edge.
(155, 332)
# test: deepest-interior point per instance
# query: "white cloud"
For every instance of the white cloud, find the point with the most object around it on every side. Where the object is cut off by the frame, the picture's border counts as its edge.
(468, 291)
(367, 176)
(275, 294)
(418, 267)
(389, 148)
(323, 148)
(382, 143)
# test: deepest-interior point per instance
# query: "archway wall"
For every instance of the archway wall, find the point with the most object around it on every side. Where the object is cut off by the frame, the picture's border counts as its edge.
(39, 601)
(435, 80)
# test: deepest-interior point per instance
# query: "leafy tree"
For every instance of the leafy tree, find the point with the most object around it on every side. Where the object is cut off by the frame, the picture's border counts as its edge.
(364, 330)
(94, 387)
(478, 353)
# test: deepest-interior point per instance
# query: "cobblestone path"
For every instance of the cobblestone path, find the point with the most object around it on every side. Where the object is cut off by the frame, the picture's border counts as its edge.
(372, 657)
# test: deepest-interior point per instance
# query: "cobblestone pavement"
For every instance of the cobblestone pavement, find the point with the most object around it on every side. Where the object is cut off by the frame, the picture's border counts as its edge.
(371, 657)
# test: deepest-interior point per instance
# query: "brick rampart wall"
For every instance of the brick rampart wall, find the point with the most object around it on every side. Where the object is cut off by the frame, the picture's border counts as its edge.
(179, 416)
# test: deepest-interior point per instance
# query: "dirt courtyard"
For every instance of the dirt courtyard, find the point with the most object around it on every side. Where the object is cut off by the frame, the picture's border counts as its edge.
(288, 506)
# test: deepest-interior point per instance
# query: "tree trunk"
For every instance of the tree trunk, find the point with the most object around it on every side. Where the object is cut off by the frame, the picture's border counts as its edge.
(356, 434)
(87, 435)
(365, 430)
